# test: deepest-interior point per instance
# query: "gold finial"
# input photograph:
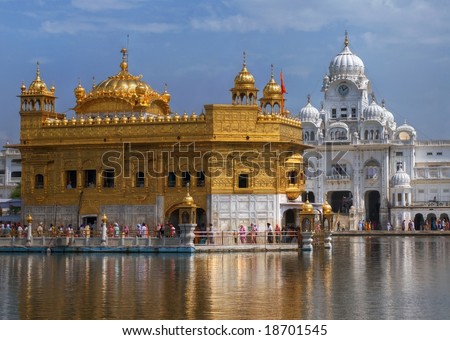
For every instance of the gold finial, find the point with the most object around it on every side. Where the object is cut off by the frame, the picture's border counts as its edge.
(245, 59)
(29, 219)
(188, 200)
(124, 63)
(38, 71)
(104, 218)
(271, 71)
(346, 39)
(93, 82)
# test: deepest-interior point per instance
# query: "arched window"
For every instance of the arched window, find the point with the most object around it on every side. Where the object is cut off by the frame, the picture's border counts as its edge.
(292, 177)
(140, 179)
(39, 181)
(366, 135)
(311, 136)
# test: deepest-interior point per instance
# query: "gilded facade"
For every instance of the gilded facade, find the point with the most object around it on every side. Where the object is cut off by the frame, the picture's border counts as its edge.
(126, 154)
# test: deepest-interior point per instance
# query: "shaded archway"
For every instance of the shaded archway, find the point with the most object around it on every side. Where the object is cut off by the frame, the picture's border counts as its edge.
(444, 217)
(431, 221)
(372, 201)
(340, 201)
(289, 217)
(419, 221)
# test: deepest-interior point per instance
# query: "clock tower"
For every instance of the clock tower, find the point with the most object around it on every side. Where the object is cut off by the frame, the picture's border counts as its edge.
(346, 89)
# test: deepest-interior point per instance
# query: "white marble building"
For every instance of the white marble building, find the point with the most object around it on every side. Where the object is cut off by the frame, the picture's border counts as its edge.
(363, 162)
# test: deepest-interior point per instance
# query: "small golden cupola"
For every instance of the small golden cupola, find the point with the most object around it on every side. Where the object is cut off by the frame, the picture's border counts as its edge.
(80, 92)
(244, 91)
(326, 208)
(307, 207)
(122, 93)
(271, 102)
(37, 86)
(37, 97)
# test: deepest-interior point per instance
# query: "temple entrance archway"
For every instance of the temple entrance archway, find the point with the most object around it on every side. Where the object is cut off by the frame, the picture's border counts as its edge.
(419, 222)
(289, 217)
(372, 200)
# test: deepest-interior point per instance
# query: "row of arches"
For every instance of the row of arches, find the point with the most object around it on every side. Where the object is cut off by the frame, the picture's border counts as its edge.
(243, 98)
(36, 105)
(430, 222)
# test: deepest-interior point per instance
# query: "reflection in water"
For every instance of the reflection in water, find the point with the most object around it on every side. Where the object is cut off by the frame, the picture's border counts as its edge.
(360, 278)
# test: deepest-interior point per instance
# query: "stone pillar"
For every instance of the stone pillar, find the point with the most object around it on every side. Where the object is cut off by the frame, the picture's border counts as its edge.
(29, 234)
(104, 237)
(307, 240)
(187, 233)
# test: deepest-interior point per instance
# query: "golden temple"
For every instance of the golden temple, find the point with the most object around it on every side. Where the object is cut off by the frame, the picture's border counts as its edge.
(125, 154)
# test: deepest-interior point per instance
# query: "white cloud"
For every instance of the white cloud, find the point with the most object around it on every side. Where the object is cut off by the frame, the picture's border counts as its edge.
(102, 5)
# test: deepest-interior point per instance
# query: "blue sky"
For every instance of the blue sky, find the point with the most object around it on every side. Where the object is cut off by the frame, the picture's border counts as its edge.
(196, 47)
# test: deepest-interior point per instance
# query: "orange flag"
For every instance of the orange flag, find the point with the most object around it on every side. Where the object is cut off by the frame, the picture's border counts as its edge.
(283, 89)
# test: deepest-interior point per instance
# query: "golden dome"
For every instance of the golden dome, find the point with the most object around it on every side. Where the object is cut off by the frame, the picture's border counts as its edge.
(79, 91)
(188, 199)
(272, 90)
(165, 94)
(326, 208)
(244, 79)
(122, 92)
(307, 207)
(37, 85)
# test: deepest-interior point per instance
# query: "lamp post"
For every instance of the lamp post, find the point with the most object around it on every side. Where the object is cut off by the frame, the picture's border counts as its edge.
(327, 223)
(29, 234)
(307, 220)
(104, 220)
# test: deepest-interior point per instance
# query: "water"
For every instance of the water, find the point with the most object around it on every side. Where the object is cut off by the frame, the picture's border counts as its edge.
(360, 278)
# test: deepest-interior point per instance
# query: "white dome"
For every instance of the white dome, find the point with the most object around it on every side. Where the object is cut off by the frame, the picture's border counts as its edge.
(401, 179)
(346, 63)
(309, 113)
(406, 128)
(373, 112)
(387, 114)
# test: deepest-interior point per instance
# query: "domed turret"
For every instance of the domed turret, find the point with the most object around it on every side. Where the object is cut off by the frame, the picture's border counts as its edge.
(80, 92)
(326, 208)
(374, 112)
(123, 92)
(401, 179)
(346, 64)
(388, 115)
(309, 113)
(307, 207)
(166, 95)
(244, 91)
(272, 100)
(244, 78)
(272, 90)
(37, 85)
